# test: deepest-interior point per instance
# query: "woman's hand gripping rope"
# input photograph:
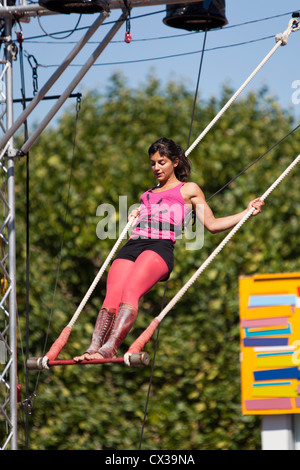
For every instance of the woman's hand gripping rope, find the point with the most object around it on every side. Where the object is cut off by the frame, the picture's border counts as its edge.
(257, 205)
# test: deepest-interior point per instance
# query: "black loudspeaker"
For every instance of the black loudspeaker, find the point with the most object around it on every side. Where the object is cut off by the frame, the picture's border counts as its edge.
(205, 15)
(74, 6)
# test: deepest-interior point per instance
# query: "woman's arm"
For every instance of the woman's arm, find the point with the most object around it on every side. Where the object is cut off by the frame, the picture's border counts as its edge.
(204, 213)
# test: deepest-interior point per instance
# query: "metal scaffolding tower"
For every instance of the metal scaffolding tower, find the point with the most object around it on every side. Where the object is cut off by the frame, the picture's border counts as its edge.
(8, 384)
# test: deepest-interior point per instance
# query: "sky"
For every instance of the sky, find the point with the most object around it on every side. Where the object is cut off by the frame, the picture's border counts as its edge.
(253, 23)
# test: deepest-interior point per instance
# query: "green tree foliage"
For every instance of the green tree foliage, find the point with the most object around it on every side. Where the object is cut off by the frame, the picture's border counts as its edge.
(195, 396)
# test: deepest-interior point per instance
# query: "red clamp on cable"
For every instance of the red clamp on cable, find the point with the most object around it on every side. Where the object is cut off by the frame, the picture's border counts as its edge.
(128, 37)
(20, 38)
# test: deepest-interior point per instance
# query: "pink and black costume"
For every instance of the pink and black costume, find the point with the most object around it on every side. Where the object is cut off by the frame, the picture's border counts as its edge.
(159, 222)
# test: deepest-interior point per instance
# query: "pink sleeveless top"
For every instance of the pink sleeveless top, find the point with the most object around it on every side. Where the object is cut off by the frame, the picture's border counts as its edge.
(161, 214)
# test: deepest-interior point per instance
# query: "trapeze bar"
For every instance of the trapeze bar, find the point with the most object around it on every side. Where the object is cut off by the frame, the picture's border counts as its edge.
(136, 360)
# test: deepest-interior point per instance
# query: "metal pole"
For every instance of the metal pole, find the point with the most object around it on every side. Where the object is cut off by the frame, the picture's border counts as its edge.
(37, 10)
(29, 143)
(22, 118)
(24, 10)
(277, 432)
(11, 241)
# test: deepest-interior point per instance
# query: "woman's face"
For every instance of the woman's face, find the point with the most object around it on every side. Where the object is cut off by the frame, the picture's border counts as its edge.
(163, 168)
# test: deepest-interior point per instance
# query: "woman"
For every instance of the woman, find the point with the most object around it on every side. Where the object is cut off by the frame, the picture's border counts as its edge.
(147, 257)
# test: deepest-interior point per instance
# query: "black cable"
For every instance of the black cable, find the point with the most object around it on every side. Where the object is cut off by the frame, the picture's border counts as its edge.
(166, 284)
(78, 107)
(197, 87)
(64, 37)
(152, 370)
(26, 402)
(65, 222)
(255, 161)
(170, 56)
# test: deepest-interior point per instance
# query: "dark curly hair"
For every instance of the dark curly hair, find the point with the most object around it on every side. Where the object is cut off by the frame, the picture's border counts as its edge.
(168, 148)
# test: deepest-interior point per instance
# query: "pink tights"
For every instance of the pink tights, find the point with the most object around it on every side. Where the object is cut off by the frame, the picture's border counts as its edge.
(128, 281)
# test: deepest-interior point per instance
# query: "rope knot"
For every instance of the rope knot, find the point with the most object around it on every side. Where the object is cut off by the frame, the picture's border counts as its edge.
(293, 26)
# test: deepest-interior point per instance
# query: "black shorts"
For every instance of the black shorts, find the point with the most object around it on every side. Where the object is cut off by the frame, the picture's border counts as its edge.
(135, 246)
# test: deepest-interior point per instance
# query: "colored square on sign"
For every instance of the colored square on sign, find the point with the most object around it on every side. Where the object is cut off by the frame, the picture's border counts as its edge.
(271, 300)
(251, 332)
(251, 313)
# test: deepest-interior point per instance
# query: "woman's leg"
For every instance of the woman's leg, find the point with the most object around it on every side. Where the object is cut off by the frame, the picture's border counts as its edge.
(116, 279)
(149, 268)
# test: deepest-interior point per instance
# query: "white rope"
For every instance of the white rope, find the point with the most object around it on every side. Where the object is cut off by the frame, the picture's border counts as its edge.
(182, 291)
(281, 40)
(45, 363)
(100, 273)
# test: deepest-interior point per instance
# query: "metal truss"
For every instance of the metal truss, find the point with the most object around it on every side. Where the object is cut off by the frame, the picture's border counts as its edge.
(8, 363)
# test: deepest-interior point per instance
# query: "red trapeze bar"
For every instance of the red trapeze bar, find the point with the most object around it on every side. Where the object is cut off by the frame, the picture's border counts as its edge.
(82, 363)
(36, 363)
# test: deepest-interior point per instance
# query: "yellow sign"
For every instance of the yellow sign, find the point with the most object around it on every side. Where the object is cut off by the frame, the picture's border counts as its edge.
(270, 343)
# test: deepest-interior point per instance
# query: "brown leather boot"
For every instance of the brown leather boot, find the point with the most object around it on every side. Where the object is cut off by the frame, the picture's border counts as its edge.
(103, 326)
(123, 323)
